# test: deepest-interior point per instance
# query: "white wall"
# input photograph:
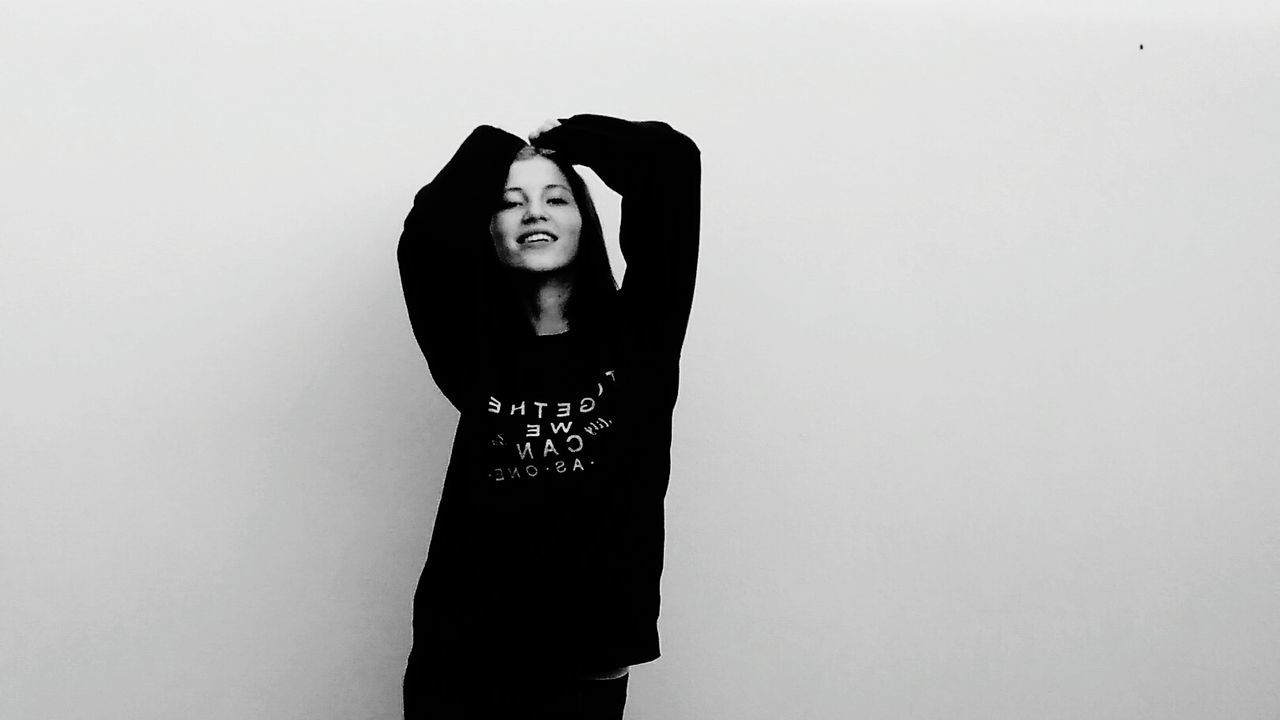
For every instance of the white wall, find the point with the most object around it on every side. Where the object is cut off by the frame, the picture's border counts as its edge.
(980, 397)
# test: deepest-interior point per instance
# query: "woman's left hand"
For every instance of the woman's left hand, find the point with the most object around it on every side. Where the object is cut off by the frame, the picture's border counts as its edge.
(533, 136)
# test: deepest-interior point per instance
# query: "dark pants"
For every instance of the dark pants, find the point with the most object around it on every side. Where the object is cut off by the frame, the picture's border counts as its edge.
(507, 698)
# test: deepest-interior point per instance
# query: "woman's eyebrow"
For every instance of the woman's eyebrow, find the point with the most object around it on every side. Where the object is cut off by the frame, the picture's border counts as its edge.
(551, 185)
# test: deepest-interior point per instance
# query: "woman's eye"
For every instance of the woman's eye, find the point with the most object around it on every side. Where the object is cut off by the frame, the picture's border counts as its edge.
(558, 201)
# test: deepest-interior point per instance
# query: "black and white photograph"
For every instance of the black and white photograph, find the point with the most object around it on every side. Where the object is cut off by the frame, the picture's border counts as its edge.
(633, 360)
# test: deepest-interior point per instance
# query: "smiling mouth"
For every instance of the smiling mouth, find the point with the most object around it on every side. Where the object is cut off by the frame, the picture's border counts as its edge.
(535, 238)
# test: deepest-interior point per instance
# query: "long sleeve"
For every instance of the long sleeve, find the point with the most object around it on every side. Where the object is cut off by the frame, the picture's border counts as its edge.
(441, 254)
(658, 173)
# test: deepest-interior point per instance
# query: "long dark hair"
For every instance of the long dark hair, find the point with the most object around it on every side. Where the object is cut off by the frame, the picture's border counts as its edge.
(595, 292)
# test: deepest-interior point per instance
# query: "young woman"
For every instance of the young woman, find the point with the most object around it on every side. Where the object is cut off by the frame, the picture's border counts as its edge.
(541, 584)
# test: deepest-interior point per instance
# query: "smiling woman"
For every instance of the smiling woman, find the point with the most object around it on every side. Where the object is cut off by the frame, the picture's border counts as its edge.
(538, 223)
(541, 584)
(536, 230)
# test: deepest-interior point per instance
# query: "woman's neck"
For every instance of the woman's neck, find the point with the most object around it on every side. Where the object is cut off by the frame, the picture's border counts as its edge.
(545, 301)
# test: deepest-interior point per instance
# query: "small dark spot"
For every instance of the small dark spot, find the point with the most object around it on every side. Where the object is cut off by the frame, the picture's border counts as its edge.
(1139, 46)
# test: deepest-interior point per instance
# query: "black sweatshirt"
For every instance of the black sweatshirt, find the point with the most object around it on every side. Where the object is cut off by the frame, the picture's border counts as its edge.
(547, 549)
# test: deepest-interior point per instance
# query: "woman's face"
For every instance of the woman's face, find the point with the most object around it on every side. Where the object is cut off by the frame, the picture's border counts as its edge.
(537, 224)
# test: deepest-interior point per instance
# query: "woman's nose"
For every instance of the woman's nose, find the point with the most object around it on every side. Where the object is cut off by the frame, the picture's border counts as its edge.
(534, 210)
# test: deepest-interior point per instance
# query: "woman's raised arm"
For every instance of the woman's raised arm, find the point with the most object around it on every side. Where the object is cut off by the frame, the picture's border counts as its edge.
(441, 253)
(658, 173)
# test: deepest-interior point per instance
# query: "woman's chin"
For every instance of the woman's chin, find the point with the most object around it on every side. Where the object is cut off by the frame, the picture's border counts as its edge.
(543, 268)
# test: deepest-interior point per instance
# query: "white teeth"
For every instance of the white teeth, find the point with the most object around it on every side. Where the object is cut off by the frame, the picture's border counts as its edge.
(537, 236)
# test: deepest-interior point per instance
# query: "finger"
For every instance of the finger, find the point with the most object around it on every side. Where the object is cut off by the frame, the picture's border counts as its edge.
(543, 128)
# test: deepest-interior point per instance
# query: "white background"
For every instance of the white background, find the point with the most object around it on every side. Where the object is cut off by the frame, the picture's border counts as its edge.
(980, 400)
